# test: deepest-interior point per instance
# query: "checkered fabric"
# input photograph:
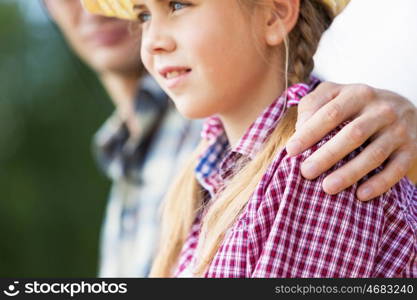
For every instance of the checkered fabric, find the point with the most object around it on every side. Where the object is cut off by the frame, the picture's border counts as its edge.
(291, 227)
(141, 169)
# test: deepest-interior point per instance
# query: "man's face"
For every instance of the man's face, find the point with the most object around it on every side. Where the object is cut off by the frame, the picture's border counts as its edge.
(106, 44)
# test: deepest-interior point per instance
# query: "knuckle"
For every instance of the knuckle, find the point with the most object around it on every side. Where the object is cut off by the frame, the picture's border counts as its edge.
(306, 102)
(305, 136)
(334, 113)
(326, 85)
(388, 112)
(401, 131)
(326, 156)
(378, 155)
(350, 176)
(365, 91)
(357, 133)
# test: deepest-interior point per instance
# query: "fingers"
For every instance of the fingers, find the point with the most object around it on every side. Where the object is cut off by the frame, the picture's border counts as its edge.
(385, 117)
(396, 169)
(311, 103)
(348, 139)
(368, 160)
(346, 105)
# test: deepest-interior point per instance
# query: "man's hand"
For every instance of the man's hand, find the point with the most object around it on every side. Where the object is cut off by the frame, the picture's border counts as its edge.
(387, 119)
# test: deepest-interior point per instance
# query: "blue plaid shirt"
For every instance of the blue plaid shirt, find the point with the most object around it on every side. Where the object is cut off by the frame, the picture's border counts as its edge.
(141, 170)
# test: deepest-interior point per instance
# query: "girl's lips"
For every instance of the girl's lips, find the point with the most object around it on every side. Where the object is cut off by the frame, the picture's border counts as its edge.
(173, 82)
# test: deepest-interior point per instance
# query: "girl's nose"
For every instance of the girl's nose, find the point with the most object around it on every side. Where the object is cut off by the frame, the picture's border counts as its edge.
(156, 39)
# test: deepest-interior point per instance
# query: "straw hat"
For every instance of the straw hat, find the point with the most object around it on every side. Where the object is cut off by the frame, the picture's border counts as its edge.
(123, 9)
(336, 6)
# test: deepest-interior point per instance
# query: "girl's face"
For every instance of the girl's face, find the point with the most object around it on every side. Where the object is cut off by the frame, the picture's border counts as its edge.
(204, 53)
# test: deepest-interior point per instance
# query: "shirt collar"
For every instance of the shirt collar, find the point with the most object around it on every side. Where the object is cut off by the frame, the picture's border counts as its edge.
(257, 133)
(219, 159)
(118, 153)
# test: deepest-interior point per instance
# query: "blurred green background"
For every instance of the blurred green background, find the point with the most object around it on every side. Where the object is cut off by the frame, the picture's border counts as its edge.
(52, 196)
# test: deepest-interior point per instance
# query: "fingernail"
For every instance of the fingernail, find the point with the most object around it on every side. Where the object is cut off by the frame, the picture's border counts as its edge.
(333, 185)
(294, 147)
(309, 169)
(365, 193)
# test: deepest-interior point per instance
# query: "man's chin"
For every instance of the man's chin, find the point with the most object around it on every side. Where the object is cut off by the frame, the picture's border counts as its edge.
(109, 62)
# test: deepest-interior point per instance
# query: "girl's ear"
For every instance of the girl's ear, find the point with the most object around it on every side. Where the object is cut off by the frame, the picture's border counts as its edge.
(281, 17)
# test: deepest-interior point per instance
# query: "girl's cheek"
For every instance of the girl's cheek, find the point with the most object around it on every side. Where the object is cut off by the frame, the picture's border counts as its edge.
(146, 60)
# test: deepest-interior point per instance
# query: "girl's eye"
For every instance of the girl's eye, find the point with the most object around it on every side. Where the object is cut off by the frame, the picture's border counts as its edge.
(175, 5)
(144, 17)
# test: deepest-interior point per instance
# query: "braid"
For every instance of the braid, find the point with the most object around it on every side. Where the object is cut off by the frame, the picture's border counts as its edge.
(315, 17)
(184, 199)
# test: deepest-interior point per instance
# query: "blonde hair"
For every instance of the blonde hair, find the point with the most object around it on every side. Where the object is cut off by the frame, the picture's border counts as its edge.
(184, 199)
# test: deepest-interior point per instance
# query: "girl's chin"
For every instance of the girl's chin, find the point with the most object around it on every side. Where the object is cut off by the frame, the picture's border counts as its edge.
(194, 111)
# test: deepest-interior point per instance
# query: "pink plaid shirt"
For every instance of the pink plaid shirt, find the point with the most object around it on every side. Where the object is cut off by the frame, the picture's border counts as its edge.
(291, 227)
